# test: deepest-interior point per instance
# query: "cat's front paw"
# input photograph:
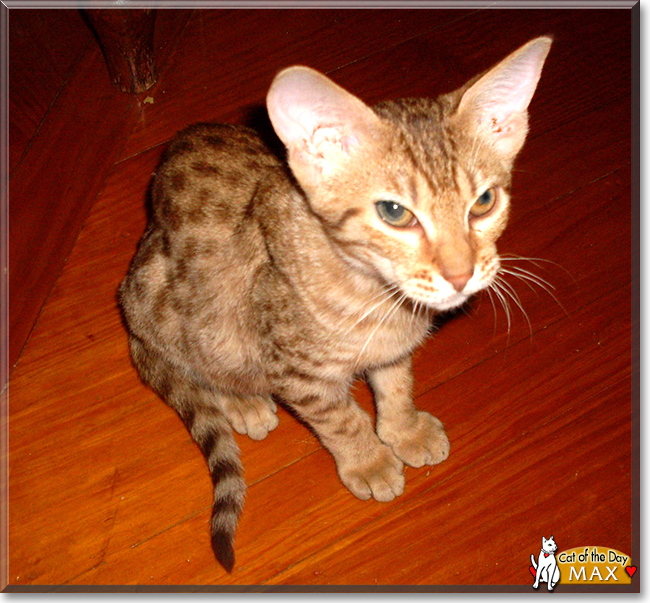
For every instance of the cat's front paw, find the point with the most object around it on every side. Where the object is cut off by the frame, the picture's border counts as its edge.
(378, 475)
(254, 415)
(423, 442)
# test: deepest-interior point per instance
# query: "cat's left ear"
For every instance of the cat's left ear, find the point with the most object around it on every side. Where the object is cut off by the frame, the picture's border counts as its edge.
(496, 104)
(321, 124)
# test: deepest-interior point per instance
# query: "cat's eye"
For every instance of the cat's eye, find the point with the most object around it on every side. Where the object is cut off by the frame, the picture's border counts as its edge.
(395, 214)
(484, 203)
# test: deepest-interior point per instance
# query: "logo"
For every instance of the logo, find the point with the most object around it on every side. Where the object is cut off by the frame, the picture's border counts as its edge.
(546, 568)
(580, 565)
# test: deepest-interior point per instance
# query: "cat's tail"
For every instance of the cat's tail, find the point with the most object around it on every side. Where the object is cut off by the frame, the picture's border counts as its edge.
(532, 560)
(213, 434)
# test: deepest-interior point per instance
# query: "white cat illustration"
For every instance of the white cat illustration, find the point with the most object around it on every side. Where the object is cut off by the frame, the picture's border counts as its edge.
(546, 566)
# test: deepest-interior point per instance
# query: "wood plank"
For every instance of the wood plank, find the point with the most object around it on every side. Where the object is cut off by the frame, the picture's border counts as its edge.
(459, 547)
(60, 33)
(170, 25)
(437, 62)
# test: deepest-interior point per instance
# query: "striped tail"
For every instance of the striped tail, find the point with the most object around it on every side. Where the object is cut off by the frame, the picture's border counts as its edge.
(213, 434)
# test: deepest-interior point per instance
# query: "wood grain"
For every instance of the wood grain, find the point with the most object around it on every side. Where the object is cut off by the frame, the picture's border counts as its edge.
(106, 485)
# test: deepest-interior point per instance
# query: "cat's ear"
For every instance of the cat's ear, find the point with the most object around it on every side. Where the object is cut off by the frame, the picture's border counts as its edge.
(321, 124)
(496, 103)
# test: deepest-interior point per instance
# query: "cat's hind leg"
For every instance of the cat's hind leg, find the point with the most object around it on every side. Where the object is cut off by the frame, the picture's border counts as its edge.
(254, 416)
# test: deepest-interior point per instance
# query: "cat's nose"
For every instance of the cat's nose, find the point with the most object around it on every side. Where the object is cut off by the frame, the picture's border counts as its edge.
(459, 281)
(456, 259)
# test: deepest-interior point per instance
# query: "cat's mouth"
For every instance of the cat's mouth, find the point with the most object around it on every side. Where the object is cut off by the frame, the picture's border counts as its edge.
(440, 295)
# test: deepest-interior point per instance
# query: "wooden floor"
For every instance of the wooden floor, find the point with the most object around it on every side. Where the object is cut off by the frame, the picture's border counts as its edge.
(106, 486)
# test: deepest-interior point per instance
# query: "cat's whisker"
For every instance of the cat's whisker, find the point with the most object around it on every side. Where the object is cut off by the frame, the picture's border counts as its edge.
(508, 289)
(392, 289)
(525, 281)
(390, 312)
(504, 302)
(511, 257)
(527, 275)
(506, 286)
(423, 309)
(524, 171)
(519, 270)
(465, 310)
(415, 306)
(494, 310)
(530, 277)
(389, 292)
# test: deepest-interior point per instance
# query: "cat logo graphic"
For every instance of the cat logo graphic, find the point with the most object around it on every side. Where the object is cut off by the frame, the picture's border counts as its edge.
(546, 569)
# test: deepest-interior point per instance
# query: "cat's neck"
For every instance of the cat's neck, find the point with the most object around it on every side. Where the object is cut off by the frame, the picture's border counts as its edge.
(341, 296)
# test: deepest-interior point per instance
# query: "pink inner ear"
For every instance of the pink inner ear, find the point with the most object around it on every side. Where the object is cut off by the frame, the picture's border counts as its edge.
(349, 141)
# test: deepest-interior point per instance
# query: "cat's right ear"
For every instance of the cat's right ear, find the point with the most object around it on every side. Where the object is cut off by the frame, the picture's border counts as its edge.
(321, 124)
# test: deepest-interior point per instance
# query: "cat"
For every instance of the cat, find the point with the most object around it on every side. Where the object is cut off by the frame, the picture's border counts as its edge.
(546, 566)
(260, 279)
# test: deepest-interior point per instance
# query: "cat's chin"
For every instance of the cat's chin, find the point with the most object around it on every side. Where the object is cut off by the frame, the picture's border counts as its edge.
(451, 304)
(444, 305)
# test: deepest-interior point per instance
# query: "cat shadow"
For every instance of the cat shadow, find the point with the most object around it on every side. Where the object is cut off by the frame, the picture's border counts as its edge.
(256, 117)
(440, 320)
(148, 196)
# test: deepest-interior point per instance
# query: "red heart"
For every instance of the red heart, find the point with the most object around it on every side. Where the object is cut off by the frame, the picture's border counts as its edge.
(533, 572)
(631, 570)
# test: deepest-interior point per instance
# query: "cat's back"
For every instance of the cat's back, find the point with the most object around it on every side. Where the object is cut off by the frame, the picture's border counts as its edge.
(196, 264)
(208, 176)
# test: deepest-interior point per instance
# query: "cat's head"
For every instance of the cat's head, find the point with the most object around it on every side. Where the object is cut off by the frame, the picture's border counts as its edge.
(549, 545)
(413, 191)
